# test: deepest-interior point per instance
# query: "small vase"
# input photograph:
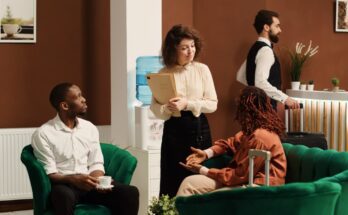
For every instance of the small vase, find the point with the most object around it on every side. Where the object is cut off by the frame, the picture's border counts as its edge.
(335, 88)
(295, 85)
(310, 87)
(303, 87)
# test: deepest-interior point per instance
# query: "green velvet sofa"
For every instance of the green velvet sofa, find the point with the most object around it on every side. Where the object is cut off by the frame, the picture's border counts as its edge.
(316, 183)
(118, 163)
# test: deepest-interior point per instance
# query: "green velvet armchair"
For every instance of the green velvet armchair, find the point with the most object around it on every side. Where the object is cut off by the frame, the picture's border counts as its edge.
(118, 163)
(316, 183)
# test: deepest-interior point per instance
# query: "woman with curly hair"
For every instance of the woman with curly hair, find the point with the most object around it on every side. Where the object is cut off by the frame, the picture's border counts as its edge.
(185, 123)
(261, 129)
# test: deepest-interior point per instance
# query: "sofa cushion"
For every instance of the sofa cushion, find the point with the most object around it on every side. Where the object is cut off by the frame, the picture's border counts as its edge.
(310, 164)
(296, 198)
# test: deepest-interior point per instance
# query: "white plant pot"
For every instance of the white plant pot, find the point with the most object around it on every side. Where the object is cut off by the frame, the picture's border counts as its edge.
(310, 87)
(295, 85)
(303, 86)
(336, 89)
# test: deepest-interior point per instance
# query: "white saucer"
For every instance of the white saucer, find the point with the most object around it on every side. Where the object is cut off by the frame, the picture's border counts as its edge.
(104, 187)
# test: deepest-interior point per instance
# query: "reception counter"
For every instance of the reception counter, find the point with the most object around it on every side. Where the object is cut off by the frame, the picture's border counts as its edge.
(324, 111)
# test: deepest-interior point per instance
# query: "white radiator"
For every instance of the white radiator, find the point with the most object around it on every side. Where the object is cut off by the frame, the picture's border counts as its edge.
(327, 116)
(14, 179)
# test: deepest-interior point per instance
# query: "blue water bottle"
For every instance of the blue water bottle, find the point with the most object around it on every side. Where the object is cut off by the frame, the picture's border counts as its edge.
(145, 65)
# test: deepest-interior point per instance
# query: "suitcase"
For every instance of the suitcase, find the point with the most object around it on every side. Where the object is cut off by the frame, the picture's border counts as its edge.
(261, 153)
(308, 139)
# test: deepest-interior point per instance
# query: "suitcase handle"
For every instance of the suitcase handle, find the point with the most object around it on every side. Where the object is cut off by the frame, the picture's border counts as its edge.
(287, 107)
(287, 115)
(260, 153)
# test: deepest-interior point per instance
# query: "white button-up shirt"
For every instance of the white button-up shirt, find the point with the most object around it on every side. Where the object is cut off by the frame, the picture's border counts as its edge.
(264, 60)
(68, 151)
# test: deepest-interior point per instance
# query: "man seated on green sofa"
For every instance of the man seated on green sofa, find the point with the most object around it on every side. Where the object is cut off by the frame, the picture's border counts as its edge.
(69, 149)
(261, 129)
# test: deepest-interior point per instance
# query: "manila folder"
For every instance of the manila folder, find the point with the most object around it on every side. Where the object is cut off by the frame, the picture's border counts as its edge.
(162, 86)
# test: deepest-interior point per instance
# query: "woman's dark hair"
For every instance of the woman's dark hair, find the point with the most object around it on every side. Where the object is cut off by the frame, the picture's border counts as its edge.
(173, 38)
(255, 111)
(264, 17)
(58, 94)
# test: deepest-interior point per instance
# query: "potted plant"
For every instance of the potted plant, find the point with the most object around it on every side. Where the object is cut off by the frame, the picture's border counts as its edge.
(310, 86)
(303, 85)
(164, 205)
(298, 58)
(335, 82)
(9, 24)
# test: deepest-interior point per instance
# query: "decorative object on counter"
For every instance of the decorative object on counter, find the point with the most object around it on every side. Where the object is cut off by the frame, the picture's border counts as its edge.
(310, 86)
(164, 205)
(298, 58)
(335, 82)
(295, 85)
(303, 85)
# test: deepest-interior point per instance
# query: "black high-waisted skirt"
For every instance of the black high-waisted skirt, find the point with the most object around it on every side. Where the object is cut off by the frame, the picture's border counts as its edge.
(179, 134)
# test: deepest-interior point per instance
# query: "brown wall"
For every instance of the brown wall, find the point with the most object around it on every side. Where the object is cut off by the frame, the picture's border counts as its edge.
(97, 77)
(310, 20)
(72, 45)
(75, 47)
(227, 29)
(176, 12)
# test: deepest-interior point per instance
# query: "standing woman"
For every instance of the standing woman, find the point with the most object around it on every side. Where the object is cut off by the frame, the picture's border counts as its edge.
(195, 96)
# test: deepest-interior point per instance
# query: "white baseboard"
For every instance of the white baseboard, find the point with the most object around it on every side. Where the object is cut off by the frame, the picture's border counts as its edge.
(28, 212)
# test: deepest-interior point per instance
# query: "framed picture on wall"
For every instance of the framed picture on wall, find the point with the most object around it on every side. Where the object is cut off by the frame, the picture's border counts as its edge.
(18, 21)
(341, 20)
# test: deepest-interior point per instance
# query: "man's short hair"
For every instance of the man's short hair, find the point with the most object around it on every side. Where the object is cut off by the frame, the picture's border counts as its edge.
(58, 94)
(264, 17)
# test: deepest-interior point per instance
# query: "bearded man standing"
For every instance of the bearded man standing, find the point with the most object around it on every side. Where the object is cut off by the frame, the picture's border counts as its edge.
(262, 67)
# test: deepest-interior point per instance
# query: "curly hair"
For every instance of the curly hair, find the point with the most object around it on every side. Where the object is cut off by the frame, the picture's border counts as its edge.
(173, 38)
(255, 111)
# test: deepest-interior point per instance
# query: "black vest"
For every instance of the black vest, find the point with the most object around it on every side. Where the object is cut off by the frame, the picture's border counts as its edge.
(274, 76)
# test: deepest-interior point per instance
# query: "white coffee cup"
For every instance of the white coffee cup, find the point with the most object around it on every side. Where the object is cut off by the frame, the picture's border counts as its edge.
(104, 181)
(11, 29)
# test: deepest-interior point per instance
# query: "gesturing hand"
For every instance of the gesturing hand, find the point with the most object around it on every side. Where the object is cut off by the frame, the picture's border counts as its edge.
(197, 157)
(194, 167)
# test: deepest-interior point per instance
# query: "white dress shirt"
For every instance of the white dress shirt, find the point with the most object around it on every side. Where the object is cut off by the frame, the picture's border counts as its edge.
(193, 82)
(264, 60)
(68, 151)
